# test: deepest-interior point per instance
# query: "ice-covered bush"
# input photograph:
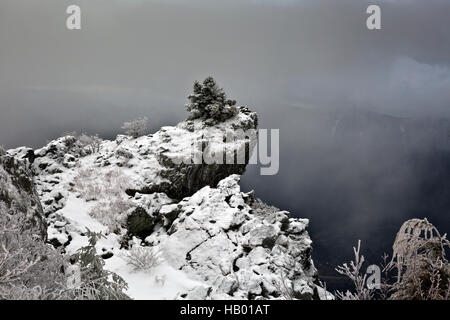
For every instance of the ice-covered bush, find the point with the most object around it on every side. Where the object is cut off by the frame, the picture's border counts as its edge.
(136, 128)
(353, 271)
(210, 103)
(29, 268)
(96, 283)
(91, 143)
(422, 270)
(33, 270)
(2, 151)
(86, 185)
(112, 212)
(143, 258)
(108, 189)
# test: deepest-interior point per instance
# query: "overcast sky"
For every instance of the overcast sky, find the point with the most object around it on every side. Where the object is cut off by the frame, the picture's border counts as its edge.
(140, 57)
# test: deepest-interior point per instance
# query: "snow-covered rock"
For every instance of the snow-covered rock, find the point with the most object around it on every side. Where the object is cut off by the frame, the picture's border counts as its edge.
(239, 246)
(17, 191)
(217, 242)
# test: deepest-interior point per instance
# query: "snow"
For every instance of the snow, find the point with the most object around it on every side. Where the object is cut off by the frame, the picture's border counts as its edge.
(76, 211)
(214, 230)
(142, 285)
(145, 285)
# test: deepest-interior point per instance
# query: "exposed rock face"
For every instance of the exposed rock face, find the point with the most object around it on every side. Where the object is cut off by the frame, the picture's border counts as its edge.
(18, 192)
(175, 146)
(237, 246)
(146, 190)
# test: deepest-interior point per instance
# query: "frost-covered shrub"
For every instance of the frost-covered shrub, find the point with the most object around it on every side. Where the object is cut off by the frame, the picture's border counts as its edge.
(2, 151)
(422, 270)
(108, 188)
(96, 282)
(143, 258)
(210, 103)
(112, 213)
(86, 185)
(82, 144)
(136, 128)
(29, 268)
(33, 270)
(115, 182)
(91, 143)
(353, 271)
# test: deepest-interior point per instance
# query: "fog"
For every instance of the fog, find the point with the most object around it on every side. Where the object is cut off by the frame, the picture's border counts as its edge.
(300, 64)
(134, 57)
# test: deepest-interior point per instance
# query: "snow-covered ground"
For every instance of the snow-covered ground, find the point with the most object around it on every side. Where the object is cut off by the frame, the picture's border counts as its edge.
(142, 285)
(215, 242)
(77, 219)
(145, 285)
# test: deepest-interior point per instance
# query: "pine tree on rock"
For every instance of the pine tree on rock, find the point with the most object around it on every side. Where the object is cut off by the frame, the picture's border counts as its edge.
(210, 102)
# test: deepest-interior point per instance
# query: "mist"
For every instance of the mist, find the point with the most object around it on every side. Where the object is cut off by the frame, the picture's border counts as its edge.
(301, 65)
(135, 57)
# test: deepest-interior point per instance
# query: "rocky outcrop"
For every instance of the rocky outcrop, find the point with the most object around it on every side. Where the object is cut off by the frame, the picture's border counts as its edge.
(18, 193)
(238, 246)
(176, 147)
(151, 191)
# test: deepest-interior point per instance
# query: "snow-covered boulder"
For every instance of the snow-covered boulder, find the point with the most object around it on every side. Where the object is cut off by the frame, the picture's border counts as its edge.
(173, 148)
(240, 247)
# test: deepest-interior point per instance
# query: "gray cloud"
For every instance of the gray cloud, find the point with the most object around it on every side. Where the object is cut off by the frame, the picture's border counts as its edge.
(142, 56)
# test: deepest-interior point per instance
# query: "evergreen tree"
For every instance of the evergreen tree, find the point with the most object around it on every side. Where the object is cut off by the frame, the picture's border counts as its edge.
(210, 103)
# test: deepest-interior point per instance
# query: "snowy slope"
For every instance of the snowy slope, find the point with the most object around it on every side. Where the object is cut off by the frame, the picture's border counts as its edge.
(215, 241)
